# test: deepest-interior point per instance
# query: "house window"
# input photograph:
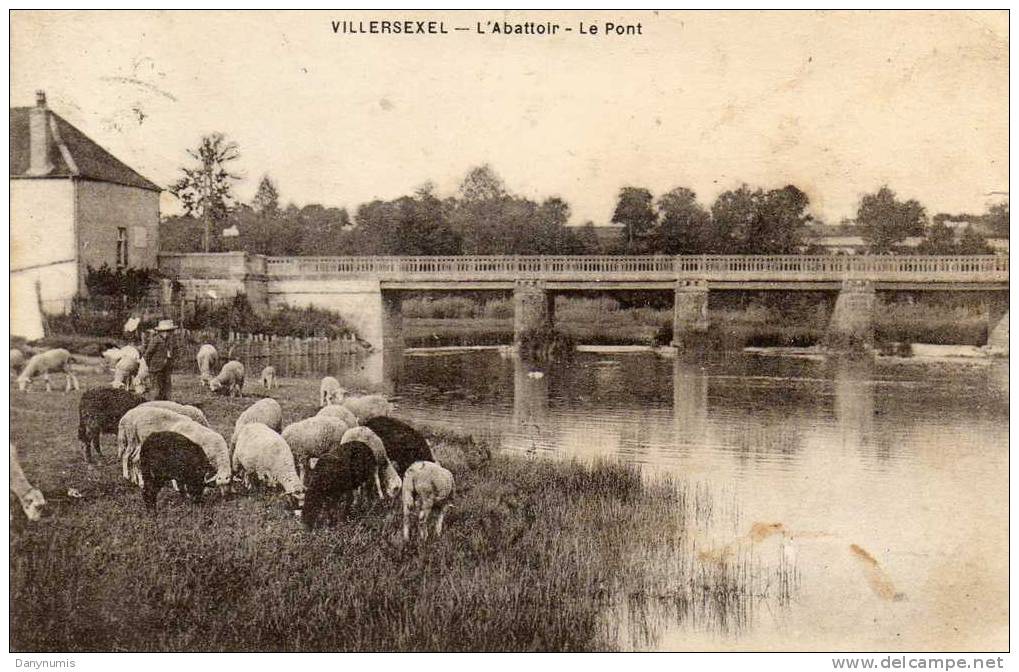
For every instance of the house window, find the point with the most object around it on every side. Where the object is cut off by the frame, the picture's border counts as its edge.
(121, 247)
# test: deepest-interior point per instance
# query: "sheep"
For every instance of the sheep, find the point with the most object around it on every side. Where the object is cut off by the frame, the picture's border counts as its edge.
(114, 355)
(125, 369)
(43, 364)
(100, 410)
(169, 456)
(207, 358)
(266, 411)
(339, 413)
(186, 410)
(367, 407)
(334, 477)
(312, 437)
(404, 444)
(269, 378)
(32, 501)
(263, 454)
(426, 486)
(230, 379)
(382, 464)
(329, 391)
(17, 360)
(138, 423)
(141, 378)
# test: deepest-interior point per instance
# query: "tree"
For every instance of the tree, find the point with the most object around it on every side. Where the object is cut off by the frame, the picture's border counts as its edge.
(749, 221)
(205, 188)
(972, 242)
(940, 239)
(997, 219)
(885, 221)
(482, 184)
(267, 198)
(684, 226)
(635, 211)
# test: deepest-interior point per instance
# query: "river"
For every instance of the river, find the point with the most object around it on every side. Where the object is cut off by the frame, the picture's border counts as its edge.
(885, 481)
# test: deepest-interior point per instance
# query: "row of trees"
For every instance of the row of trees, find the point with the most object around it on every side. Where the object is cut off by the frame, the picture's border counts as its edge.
(484, 217)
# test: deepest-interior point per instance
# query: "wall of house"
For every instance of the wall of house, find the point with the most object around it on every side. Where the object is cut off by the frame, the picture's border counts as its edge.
(102, 208)
(43, 242)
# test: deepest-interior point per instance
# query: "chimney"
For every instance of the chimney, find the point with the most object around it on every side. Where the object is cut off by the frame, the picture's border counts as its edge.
(39, 137)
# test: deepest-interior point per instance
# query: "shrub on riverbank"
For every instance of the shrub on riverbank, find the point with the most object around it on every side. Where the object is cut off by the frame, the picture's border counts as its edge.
(537, 555)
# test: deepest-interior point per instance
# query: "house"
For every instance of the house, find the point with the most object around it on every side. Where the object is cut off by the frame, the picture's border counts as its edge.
(72, 205)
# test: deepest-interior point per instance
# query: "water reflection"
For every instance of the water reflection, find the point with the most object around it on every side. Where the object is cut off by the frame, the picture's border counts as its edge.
(854, 401)
(689, 403)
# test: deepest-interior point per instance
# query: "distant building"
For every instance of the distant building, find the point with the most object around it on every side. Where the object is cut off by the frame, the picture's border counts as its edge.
(73, 205)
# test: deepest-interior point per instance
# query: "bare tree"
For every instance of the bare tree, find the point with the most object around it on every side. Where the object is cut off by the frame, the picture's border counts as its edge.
(205, 188)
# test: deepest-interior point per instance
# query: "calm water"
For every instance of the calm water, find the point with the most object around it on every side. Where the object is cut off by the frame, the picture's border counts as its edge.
(885, 482)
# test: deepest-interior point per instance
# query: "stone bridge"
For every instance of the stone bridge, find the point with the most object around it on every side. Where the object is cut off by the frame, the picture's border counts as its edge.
(367, 291)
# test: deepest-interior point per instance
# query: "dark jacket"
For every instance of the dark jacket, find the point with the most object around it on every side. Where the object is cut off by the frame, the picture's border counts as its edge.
(159, 352)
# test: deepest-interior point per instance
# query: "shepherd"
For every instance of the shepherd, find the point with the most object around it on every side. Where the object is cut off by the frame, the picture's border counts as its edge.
(159, 357)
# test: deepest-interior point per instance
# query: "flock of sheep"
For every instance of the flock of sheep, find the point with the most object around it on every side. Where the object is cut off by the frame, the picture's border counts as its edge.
(351, 448)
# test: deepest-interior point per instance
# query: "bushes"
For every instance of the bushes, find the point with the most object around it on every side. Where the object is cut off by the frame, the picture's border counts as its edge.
(457, 307)
(132, 283)
(545, 346)
(237, 315)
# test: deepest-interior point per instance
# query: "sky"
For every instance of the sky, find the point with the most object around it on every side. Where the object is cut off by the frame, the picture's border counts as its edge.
(837, 103)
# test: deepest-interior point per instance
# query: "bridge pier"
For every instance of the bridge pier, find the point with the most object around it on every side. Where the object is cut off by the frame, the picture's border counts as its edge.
(533, 307)
(690, 311)
(997, 324)
(852, 323)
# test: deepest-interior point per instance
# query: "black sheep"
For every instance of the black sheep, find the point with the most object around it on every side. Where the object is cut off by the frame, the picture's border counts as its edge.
(334, 478)
(100, 410)
(404, 444)
(169, 456)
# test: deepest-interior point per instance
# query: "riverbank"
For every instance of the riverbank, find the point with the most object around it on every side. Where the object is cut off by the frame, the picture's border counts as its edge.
(537, 555)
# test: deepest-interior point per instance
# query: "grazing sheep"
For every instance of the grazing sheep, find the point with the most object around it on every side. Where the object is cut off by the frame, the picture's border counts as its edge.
(269, 378)
(100, 410)
(329, 391)
(230, 379)
(339, 413)
(125, 369)
(266, 411)
(404, 444)
(17, 360)
(262, 454)
(31, 499)
(367, 407)
(169, 456)
(186, 410)
(427, 486)
(312, 437)
(382, 463)
(138, 423)
(45, 363)
(334, 477)
(207, 358)
(114, 355)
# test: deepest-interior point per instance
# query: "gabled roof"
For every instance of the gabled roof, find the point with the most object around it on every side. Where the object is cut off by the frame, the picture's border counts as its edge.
(72, 153)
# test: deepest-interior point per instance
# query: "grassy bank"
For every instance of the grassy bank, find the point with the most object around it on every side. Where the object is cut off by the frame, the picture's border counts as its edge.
(538, 555)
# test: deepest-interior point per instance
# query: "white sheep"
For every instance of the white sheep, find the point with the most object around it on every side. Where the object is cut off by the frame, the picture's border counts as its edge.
(262, 453)
(32, 500)
(230, 378)
(114, 355)
(125, 368)
(312, 438)
(45, 363)
(138, 423)
(338, 412)
(427, 486)
(367, 436)
(207, 358)
(269, 378)
(141, 379)
(264, 411)
(192, 412)
(330, 392)
(368, 407)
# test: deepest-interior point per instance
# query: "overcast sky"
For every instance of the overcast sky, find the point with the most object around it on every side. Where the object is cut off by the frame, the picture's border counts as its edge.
(835, 103)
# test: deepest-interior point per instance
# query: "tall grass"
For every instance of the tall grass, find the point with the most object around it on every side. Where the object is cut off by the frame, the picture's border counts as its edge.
(537, 555)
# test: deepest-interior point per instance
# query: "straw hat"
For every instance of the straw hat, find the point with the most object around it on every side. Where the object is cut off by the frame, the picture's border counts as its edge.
(165, 325)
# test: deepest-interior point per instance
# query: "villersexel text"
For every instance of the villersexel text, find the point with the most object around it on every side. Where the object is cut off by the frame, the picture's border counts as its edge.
(548, 28)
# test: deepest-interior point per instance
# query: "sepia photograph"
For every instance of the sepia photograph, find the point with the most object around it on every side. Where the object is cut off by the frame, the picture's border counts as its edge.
(509, 331)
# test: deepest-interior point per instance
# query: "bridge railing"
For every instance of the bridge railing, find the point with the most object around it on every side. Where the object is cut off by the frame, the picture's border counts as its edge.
(658, 267)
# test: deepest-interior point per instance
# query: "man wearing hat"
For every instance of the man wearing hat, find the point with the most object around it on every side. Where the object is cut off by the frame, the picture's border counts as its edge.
(159, 357)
